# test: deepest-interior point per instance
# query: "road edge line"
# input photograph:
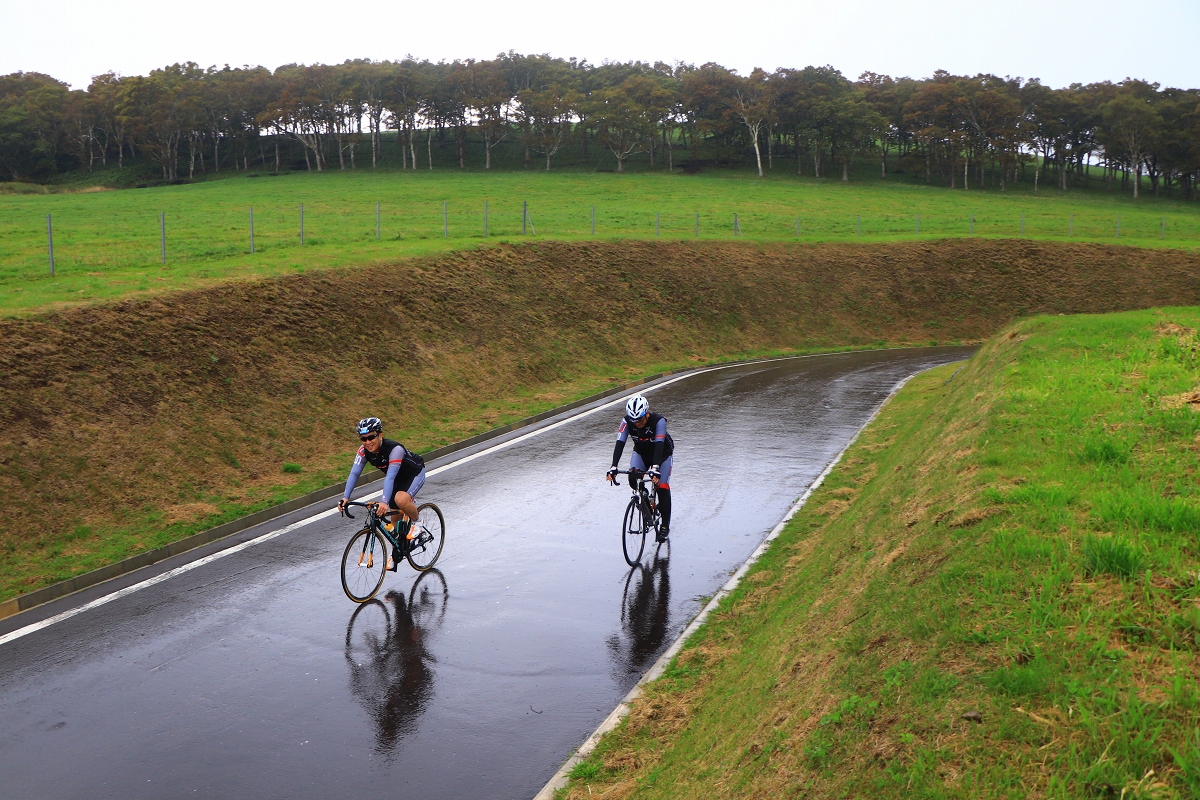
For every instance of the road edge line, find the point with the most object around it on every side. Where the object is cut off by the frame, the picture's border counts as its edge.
(560, 778)
(651, 383)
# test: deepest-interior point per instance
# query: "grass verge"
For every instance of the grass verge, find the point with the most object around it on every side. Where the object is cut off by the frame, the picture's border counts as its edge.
(994, 595)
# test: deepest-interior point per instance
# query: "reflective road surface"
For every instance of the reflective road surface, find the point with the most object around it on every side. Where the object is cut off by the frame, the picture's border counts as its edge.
(253, 676)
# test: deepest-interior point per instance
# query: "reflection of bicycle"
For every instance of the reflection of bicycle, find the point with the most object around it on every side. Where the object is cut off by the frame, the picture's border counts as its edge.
(364, 561)
(387, 652)
(645, 617)
(641, 515)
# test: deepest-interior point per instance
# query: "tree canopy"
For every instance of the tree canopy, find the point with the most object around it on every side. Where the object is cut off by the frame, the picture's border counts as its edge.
(953, 129)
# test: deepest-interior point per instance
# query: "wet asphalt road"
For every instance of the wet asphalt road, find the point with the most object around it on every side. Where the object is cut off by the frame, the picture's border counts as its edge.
(254, 676)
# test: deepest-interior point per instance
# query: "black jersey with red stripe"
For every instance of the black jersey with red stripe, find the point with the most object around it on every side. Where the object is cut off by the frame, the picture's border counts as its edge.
(379, 459)
(647, 436)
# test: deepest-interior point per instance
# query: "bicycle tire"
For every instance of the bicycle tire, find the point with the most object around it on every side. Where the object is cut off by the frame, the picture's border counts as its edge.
(424, 551)
(364, 564)
(367, 632)
(633, 532)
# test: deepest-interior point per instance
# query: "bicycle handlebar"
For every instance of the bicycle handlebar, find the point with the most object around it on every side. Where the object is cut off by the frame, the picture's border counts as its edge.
(634, 472)
(344, 509)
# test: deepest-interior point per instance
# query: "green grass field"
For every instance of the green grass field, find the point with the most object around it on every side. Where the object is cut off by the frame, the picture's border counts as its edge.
(106, 243)
(996, 594)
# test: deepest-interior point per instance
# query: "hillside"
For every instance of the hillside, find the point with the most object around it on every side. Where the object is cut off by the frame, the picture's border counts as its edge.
(144, 420)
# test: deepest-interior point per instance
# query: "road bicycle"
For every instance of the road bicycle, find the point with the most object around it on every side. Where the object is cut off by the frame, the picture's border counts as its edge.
(641, 515)
(364, 561)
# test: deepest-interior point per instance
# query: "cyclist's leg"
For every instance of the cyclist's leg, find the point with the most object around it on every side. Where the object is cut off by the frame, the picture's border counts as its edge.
(406, 493)
(664, 494)
(637, 462)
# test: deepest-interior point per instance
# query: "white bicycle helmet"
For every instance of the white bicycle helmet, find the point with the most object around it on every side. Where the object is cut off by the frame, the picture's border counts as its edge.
(637, 407)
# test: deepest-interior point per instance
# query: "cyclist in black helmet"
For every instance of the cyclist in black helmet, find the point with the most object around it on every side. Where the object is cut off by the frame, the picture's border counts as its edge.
(653, 447)
(404, 474)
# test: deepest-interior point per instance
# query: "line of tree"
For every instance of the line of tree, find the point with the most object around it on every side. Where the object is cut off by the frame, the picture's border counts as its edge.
(964, 131)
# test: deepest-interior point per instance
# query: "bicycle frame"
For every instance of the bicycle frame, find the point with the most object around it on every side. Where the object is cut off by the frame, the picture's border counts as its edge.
(640, 484)
(375, 523)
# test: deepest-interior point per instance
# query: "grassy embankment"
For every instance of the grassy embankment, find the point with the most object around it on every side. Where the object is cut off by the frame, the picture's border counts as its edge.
(996, 594)
(160, 417)
(107, 243)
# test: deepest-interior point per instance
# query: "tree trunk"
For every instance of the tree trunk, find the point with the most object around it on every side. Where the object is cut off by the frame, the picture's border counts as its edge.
(845, 172)
(277, 154)
(966, 167)
(754, 129)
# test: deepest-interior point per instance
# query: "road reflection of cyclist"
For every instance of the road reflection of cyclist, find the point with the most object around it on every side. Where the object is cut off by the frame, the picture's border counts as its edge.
(645, 616)
(391, 672)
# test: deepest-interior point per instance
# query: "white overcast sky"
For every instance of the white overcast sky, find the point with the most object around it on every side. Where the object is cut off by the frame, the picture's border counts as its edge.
(1059, 41)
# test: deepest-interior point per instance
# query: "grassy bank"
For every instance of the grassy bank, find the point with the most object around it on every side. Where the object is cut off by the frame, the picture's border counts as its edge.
(994, 595)
(153, 418)
(107, 244)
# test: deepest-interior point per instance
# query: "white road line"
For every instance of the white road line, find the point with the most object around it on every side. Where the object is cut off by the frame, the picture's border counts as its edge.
(128, 590)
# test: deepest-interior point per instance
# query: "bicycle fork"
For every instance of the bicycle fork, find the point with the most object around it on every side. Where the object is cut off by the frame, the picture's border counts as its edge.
(368, 551)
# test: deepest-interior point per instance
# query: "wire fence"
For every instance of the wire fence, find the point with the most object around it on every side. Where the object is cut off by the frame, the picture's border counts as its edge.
(36, 247)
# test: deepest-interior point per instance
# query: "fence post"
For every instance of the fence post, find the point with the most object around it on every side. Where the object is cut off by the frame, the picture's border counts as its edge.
(524, 215)
(485, 219)
(1022, 223)
(1118, 226)
(302, 224)
(445, 221)
(252, 230)
(50, 242)
(593, 221)
(1071, 227)
(860, 225)
(737, 229)
(377, 220)
(162, 234)
(657, 221)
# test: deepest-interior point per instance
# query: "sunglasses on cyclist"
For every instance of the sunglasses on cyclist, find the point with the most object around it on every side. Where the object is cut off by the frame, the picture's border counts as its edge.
(370, 438)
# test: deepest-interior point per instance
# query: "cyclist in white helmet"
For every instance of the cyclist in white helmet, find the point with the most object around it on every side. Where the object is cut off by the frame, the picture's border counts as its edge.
(653, 447)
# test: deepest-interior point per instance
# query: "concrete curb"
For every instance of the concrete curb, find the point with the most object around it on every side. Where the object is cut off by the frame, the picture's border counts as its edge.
(656, 670)
(25, 602)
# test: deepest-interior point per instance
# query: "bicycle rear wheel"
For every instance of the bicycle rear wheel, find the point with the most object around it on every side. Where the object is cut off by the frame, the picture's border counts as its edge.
(363, 565)
(423, 551)
(633, 532)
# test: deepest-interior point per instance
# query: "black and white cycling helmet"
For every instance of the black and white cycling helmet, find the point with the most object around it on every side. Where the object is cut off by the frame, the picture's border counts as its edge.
(637, 407)
(369, 425)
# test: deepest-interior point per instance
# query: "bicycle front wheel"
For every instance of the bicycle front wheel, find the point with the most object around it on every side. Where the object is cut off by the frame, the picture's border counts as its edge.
(633, 532)
(425, 548)
(363, 565)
